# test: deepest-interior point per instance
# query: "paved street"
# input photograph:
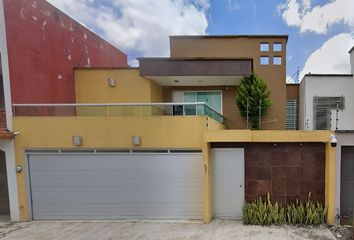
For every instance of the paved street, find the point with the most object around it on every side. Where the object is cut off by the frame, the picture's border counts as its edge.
(111, 230)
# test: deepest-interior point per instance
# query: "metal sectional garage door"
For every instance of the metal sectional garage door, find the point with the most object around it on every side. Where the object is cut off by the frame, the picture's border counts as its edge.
(116, 186)
(347, 182)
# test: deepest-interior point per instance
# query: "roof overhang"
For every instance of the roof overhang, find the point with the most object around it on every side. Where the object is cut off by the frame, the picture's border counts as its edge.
(232, 36)
(195, 71)
(5, 134)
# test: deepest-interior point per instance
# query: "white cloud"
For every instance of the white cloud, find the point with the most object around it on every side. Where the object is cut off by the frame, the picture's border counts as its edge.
(133, 63)
(142, 26)
(332, 57)
(318, 19)
(233, 5)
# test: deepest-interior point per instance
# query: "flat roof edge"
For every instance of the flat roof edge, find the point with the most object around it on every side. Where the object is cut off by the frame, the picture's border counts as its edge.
(190, 58)
(344, 131)
(329, 75)
(106, 68)
(351, 50)
(232, 36)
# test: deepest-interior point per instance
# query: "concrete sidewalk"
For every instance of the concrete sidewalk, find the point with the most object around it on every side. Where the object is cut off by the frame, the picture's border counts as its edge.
(111, 230)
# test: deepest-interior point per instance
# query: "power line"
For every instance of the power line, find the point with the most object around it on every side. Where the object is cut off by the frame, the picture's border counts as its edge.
(297, 75)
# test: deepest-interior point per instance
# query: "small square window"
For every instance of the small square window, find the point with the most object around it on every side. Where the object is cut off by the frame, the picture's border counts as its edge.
(264, 60)
(264, 47)
(277, 47)
(276, 60)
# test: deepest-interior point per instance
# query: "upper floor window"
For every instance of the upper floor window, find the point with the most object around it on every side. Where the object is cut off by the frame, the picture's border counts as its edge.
(212, 98)
(291, 118)
(276, 60)
(264, 60)
(277, 47)
(323, 107)
(264, 47)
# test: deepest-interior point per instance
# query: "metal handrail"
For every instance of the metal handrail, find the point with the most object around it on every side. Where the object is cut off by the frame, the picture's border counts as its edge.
(118, 105)
(105, 104)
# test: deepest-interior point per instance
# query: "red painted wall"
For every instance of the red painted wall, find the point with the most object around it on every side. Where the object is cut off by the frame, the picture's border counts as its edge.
(44, 45)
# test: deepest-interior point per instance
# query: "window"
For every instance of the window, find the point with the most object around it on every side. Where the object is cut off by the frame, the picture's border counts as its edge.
(264, 60)
(277, 60)
(277, 47)
(212, 98)
(322, 107)
(264, 47)
(291, 119)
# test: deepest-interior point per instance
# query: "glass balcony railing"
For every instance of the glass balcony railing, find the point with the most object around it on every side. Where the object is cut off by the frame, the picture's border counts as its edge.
(117, 109)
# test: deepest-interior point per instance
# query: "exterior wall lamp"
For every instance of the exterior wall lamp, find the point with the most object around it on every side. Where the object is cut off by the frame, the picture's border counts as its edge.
(136, 140)
(77, 141)
(111, 82)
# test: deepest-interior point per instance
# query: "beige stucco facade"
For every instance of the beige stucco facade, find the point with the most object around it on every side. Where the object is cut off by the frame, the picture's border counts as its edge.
(243, 47)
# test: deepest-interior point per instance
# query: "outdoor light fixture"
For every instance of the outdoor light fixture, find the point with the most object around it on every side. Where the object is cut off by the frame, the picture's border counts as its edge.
(111, 82)
(19, 168)
(136, 141)
(77, 140)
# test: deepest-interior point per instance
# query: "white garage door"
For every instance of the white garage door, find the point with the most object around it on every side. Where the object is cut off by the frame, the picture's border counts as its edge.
(116, 186)
(228, 182)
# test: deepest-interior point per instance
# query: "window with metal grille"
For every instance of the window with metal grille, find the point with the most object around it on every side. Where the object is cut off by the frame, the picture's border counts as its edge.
(291, 119)
(322, 107)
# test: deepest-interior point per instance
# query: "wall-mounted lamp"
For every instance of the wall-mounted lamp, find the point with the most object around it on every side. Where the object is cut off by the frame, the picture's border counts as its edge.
(111, 82)
(77, 140)
(136, 140)
(19, 168)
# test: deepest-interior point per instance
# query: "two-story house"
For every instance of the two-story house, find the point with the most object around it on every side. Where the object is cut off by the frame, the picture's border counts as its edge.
(166, 140)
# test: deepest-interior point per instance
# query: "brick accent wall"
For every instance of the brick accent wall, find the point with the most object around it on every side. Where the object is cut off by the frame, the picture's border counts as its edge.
(288, 171)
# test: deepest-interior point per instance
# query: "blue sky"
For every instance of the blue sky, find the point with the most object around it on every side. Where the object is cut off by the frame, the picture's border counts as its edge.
(320, 31)
(263, 17)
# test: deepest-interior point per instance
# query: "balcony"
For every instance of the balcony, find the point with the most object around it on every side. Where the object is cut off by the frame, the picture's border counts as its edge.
(117, 110)
(195, 71)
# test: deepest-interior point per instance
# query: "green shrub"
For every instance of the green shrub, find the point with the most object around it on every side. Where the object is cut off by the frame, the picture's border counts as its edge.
(264, 212)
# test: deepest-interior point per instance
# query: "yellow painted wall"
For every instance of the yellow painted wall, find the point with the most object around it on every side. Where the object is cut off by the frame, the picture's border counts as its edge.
(267, 136)
(155, 92)
(105, 132)
(330, 182)
(187, 132)
(208, 179)
(92, 86)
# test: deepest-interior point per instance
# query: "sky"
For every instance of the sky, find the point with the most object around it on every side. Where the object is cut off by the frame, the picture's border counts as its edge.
(321, 32)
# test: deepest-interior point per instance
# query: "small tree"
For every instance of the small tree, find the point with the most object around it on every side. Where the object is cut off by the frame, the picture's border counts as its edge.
(252, 92)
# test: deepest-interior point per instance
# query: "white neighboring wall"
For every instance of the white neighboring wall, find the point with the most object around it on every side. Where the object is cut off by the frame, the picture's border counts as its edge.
(327, 86)
(351, 52)
(8, 146)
